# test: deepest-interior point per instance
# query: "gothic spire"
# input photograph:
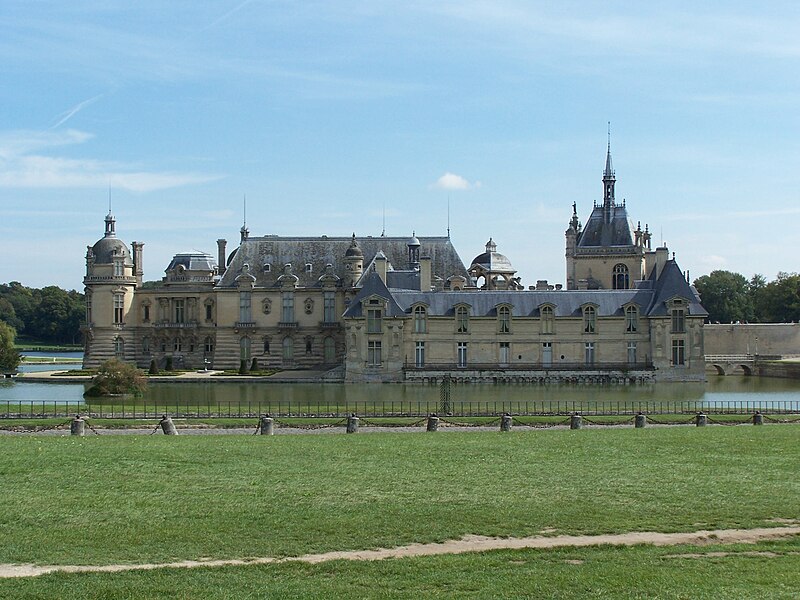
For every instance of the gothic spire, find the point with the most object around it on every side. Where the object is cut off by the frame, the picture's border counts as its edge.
(608, 182)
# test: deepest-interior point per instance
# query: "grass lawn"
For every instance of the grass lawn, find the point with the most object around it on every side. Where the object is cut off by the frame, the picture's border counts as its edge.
(102, 500)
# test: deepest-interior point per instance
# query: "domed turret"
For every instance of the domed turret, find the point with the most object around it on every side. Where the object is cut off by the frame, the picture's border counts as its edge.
(353, 263)
(494, 267)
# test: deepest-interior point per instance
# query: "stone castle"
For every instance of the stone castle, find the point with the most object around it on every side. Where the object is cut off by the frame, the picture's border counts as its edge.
(403, 309)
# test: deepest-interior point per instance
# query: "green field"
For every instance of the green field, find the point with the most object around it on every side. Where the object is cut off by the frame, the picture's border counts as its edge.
(104, 500)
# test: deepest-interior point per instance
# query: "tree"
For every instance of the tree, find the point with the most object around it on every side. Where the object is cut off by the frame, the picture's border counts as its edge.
(726, 297)
(9, 356)
(117, 377)
(780, 299)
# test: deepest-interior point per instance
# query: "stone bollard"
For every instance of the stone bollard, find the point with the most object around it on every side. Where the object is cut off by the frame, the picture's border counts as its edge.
(641, 421)
(701, 420)
(167, 426)
(77, 427)
(505, 422)
(758, 418)
(575, 421)
(267, 425)
(352, 423)
(433, 423)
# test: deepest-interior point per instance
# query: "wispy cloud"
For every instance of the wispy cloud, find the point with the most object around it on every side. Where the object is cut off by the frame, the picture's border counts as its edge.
(451, 181)
(67, 115)
(23, 164)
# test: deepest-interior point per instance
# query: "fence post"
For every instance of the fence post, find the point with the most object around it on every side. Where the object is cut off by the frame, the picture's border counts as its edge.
(352, 423)
(701, 420)
(575, 421)
(758, 418)
(641, 420)
(267, 425)
(433, 423)
(77, 426)
(505, 422)
(167, 426)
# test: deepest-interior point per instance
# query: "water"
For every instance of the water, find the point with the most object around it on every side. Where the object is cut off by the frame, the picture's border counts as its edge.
(719, 394)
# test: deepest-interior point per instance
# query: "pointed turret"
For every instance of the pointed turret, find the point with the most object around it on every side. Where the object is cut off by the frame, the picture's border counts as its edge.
(608, 183)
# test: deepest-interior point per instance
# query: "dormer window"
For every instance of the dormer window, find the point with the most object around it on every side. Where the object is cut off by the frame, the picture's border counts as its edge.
(462, 319)
(267, 268)
(309, 268)
(631, 319)
(548, 319)
(420, 319)
(374, 319)
(119, 268)
(589, 319)
(504, 319)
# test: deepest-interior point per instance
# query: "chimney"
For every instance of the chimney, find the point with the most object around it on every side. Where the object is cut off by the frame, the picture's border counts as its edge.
(425, 274)
(138, 269)
(662, 256)
(221, 256)
(381, 266)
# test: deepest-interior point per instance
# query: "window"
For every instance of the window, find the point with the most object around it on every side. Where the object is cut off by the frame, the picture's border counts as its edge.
(631, 319)
(309, 267)
(588, 353)
(119, 309)
(632, 353)
(309, 344)
(420, 319)
(329, 307)
(504, 319)
(548, 319)
(266, 345)
(244, 348)
(461, 353)
(374, 320)
(209, 313)
(547, 353)
(419, 354)
(589, 319)
(208, 345)
(329, 346)
(288, 348)
(245, 312)
(678, 353)
(119, 268)
(287, 307)
(267, 268)
(177, 344)
(146, 344)
(620, 279)
(373, 354)
(119, 347)
(462, 319)
(505, 352)
(678, 320)
(180, 311)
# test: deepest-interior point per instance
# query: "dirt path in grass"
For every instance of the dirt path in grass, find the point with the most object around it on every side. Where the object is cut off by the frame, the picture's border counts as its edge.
(471, 543)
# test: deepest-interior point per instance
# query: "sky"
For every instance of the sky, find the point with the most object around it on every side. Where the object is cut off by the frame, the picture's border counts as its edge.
(332, 117)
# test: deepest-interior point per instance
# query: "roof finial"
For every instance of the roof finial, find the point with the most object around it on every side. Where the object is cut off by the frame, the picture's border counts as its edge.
(448, 216)
(244, 210)
(609, 170)
(383, 231)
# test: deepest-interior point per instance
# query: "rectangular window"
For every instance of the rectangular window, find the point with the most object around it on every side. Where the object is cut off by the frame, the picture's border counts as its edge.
(146, 311)
(119, 309)
(180, 311)
(374, 320)
(287, 307)
(632, 353)
(177, 345)
(504, 320)
(461, 350)
(547, 353)
(119, 268)
(678, 321)
(631, 319)
(589, 353)
(589, 319)
(208, 312)
(420, 319)
(374, 354)
(505, 352)
(678, 353)
(462, 319)
(245, 312)
(329, 307)
(547, 319)
(419, 354)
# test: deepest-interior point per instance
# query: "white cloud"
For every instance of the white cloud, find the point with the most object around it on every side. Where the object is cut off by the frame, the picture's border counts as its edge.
(713, 261)
(451, 181)
(22, 165)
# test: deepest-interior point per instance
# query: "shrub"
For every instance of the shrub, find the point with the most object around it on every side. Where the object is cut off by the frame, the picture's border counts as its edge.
(153, 367)
(9, 356)
(168, 366)
(243, 367)
(254, 365)
(117, 377)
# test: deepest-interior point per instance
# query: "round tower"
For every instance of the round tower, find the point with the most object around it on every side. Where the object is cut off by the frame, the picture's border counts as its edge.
(353, 263)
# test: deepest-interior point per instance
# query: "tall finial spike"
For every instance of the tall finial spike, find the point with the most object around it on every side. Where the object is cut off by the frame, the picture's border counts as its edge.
(244, 210)
(383, 231)
(609, 136)
(448, 216)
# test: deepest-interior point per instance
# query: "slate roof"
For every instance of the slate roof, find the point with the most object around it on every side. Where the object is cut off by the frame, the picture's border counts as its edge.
(598, 232)
(193, 261)
(320, 251)
(670, 284)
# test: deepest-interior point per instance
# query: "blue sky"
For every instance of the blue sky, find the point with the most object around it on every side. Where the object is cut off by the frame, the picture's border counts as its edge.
(327, 114)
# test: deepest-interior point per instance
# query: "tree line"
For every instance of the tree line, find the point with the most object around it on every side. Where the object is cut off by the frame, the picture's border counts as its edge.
(48, 315)
(730, 297)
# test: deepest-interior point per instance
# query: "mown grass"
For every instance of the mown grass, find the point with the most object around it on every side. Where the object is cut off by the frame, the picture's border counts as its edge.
(100, 500)
(597, 572)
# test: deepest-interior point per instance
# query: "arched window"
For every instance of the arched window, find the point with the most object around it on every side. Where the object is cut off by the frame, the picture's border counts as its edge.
(589, 319)
(548, 319)
(288, 348)
(244, 348)
(119, 347)
(420, 319)
(631, 319)
(462, 319)
(620, 280)
(504, 319)
(146, 345)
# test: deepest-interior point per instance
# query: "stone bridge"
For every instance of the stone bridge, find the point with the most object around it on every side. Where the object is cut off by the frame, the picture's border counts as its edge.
(731, 364)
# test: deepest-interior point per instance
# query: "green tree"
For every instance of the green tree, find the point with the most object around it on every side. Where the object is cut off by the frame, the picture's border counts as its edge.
(726, 296)
(780, 299)
(9, 356)
(117, 377)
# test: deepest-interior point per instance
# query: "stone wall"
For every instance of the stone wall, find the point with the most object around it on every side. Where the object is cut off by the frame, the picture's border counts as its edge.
(775, 339)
